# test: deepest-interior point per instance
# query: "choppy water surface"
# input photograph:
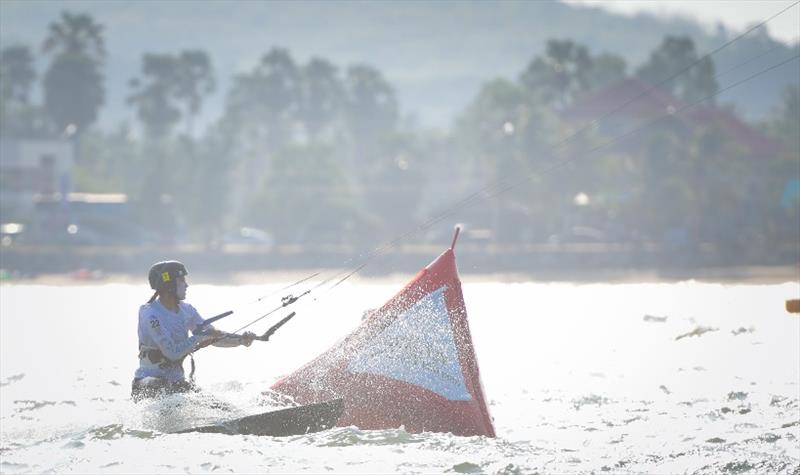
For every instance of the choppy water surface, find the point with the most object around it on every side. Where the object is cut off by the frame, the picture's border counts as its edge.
(633, 378)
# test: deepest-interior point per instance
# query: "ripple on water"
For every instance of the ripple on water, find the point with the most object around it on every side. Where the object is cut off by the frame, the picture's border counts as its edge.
(350, 436)
(12, 379)
(590, 400)
(769, 438)
(737, 396)
(12, 467)
(9, 447)
(33, 405)
(738, 467)
(118, 431)
(466, 467)
(74, 444)
(510, 469)
(776, 465)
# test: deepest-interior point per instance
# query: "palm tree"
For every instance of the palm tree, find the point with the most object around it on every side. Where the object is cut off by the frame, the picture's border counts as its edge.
(76, 34)
(195, 80)
(322, 96)
(17, 73)
(73, 83)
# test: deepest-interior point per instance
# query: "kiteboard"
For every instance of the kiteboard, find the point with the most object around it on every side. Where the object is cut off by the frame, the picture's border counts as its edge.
(282, 423)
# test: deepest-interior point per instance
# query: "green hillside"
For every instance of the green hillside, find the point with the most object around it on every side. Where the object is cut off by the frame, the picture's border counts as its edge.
(435, 53)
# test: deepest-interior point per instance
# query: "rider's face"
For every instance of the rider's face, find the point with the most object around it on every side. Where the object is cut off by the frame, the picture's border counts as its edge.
(180, 288)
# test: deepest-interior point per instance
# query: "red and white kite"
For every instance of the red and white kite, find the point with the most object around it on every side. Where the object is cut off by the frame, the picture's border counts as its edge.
(411, 363)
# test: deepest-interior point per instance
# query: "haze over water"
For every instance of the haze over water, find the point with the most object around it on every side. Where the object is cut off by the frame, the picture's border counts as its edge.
(624, 378)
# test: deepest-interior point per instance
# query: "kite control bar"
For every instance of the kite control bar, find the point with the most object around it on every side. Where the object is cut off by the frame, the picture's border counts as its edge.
(274, 328)
(202, 327)
(265, 337)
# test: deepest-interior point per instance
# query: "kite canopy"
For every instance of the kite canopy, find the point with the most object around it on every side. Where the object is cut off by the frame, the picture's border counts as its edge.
(410, 363)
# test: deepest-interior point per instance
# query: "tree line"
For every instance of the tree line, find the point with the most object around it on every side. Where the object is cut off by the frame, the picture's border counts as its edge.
(316, 152)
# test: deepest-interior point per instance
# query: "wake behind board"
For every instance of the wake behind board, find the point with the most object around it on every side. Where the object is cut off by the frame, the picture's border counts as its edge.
(285, 422)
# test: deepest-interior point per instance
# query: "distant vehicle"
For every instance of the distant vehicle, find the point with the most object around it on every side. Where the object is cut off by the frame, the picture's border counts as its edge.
(86, 219)
(11, 233)
(248, 237)
(106, 233)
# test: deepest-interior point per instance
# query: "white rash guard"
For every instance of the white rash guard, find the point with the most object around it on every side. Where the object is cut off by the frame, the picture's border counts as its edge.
(164, 330)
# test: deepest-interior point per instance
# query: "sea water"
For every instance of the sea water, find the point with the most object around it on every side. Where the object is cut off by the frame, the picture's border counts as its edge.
(682, 377)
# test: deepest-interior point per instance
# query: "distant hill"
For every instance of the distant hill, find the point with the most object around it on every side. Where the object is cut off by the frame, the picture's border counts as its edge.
(436, 54)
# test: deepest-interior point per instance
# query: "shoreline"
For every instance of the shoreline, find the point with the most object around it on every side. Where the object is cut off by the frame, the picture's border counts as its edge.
(755, 275)
(580, 263)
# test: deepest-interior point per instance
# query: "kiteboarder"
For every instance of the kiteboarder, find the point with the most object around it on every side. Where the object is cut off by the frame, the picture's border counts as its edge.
(164, 341)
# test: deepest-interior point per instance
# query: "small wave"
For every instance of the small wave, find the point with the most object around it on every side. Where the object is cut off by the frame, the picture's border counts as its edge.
(780, 464)
(10, 447)
(618, 440)
(737, 396)
(117, 431)
(750, 464)
(592, 399)
(12, 466)
(785, 403)
(633, 419)
(721, 413)
(32, 405)
(102, 399)
(698, 331)
(738, 467)
(728, 410)
(769, 438)
(745, 426)
(509, 469)
(777, 400)
(654, 319)
(466, 467)
(349, 436)
(12, 379)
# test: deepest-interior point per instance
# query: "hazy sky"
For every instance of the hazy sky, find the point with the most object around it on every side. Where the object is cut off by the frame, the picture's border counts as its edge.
(446, 73)
(736, 15)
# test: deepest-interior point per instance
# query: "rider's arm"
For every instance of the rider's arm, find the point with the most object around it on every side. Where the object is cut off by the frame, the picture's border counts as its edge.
(225, 340)
(228, 340)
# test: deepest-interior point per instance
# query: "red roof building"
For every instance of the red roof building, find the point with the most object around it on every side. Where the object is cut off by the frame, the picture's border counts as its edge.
(635, 105)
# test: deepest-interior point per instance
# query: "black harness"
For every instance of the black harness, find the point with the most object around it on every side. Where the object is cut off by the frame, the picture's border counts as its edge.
(157, 357)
